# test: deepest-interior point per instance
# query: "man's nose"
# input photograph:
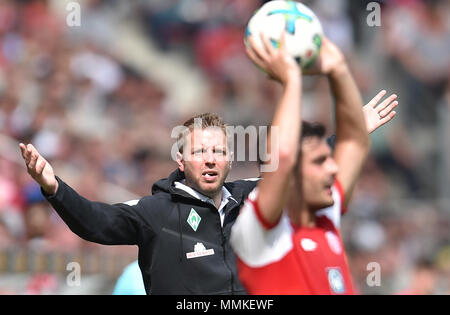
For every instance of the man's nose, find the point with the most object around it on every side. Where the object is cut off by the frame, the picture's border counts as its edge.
(332, 166)
(208, 157)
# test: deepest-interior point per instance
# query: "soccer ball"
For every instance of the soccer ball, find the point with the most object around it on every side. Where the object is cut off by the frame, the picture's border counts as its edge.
(303, 29)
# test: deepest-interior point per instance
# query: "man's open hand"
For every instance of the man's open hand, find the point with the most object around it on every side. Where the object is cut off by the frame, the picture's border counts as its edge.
(39, 169)
(376, 114)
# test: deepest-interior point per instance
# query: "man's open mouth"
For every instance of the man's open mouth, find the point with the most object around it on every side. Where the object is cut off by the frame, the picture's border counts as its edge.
(209, 175)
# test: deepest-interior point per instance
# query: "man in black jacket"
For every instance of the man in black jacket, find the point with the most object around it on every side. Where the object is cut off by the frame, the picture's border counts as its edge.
(182, 230)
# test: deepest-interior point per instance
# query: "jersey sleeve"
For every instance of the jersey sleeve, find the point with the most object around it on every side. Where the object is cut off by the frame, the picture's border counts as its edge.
(256, 242)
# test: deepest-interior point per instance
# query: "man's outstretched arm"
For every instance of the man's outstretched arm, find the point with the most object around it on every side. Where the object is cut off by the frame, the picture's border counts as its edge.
(93, 221)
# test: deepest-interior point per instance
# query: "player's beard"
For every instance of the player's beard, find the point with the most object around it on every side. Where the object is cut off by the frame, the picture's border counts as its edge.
(320, 202)
(208, 189)
(319, 197)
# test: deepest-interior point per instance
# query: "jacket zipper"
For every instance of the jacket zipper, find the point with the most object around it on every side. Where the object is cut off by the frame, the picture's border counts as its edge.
(225, 259)
(223, 247)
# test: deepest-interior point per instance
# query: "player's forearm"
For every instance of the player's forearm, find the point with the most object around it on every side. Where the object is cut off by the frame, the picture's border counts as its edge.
(352, 140)
(350, 123)
(287, 121)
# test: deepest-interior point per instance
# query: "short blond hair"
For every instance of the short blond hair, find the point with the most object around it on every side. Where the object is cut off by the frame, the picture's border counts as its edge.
(206, 120)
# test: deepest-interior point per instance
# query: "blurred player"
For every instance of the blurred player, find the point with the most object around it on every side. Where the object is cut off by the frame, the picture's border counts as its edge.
(286, 236)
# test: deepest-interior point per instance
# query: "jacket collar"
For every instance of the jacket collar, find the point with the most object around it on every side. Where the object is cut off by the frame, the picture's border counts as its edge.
(232, 190)
(182, 185)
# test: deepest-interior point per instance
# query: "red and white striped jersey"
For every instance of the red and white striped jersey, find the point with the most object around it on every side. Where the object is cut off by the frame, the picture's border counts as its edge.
(287, 259)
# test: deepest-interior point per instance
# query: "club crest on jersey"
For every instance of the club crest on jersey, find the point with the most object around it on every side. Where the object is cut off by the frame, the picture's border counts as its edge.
(194, 219)
(200, 251)
(336, 280)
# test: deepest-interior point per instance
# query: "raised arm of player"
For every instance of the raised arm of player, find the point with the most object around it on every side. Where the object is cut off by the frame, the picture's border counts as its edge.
(352, 140)
(273, 189)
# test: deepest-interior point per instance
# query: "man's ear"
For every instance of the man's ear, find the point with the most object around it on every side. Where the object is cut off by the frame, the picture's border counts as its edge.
(180, 161)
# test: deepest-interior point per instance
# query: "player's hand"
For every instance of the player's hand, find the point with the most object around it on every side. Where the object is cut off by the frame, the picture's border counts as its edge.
(277, 62)
(376, 114)
(330, 59)
(39, 169)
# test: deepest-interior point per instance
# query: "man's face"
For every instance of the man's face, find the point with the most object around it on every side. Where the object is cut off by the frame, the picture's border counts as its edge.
(205, 161)
(318, 173)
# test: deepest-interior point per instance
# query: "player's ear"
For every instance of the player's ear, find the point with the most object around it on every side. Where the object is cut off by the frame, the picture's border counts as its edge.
(180, 161)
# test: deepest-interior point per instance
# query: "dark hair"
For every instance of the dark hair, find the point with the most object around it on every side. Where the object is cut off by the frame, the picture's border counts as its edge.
(206, 120)
(310, 130)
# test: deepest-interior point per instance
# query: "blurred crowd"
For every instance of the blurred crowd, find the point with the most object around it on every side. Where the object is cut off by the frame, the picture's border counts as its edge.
(106, 124)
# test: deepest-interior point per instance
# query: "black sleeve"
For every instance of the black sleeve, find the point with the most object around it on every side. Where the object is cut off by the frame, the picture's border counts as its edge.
(247, 185)
(97, 222)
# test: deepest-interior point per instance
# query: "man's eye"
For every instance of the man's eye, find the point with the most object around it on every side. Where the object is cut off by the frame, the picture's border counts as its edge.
(319, 161)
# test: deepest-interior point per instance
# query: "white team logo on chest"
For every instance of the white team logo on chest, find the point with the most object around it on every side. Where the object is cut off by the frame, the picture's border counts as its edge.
(200, 251)
(333, 242)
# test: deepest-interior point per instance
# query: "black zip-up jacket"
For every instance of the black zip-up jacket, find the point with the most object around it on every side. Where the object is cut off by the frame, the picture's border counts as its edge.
(158, 225)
